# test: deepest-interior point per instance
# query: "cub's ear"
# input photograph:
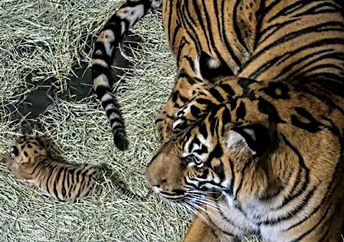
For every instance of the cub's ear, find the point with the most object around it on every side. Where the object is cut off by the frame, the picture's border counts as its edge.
(212, 69)
(254, 138)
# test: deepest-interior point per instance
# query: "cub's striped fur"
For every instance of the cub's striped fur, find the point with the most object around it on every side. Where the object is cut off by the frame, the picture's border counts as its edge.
(103, 54)
(31, 162)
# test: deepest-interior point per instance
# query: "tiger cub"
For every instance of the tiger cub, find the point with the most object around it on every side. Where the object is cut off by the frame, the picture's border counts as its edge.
(30, 162)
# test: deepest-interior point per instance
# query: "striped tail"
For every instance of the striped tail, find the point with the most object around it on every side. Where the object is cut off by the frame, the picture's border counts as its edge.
(103, 54)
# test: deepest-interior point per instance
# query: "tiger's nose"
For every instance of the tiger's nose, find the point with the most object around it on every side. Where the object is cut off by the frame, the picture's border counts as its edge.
(163, 187)
(156, 174)
(154, 179)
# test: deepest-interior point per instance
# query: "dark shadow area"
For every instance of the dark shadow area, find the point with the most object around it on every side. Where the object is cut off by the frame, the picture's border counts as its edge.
(27, 109)
(80, 84)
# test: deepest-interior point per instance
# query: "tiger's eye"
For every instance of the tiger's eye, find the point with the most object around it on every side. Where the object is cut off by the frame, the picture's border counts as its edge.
(192, 159)
(187, 160)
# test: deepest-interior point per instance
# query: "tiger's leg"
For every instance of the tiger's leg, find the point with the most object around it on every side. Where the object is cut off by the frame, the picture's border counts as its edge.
(205, 231)
(185, 88)
(189, 84)
(197, 59)
(225, 91)
(104, 50)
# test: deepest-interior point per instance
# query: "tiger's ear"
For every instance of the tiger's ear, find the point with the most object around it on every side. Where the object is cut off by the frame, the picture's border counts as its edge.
(254, 138)
(212, 69)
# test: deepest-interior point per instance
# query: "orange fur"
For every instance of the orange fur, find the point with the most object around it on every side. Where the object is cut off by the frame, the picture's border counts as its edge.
(267, 138)
(31, 162)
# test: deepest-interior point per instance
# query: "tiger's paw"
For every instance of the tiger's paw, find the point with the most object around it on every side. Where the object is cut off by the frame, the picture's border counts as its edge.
(164, 124)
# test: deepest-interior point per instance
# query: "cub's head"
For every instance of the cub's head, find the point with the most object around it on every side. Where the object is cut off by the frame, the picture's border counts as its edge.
(212, 155)
(25, 153)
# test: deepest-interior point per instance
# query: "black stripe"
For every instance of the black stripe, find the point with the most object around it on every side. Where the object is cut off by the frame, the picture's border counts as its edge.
(99, 46)
(200, 21)
(327, 54)
(51, 170)
(317, 9)
(226, 39)
(302, 168)
(228, 89)
(288, 10)
(57, 179)
(312, 125)
(224, 70)
(168, 7)
(310, 230)
(63, 179)
(217, 95)
(237, 29)
(241, 111)
(273, 29)
(293, 35)
(269, 109)
(294, 211)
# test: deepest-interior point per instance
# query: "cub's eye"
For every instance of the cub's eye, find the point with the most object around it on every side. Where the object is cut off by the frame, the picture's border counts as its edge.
(193, 160)
(14, 151)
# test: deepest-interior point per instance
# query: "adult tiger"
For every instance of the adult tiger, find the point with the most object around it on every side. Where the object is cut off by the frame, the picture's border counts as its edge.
(265, 158)
(268, 138)
(221, 48)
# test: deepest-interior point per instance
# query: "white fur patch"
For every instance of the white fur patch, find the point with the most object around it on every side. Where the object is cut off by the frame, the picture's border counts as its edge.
(155, 3)
(113, 116)
(156, 189)
(197, 67)
(131, 14)
(251, 133)
(101, 80)
(176, 123)
(122, 28)
(236, 141)
(108, 48)
(106, 97)
(213, 64)
(99, 62)
(110, 106)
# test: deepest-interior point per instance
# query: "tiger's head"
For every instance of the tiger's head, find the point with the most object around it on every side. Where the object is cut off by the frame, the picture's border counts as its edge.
(211, 156)
(25, 154)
